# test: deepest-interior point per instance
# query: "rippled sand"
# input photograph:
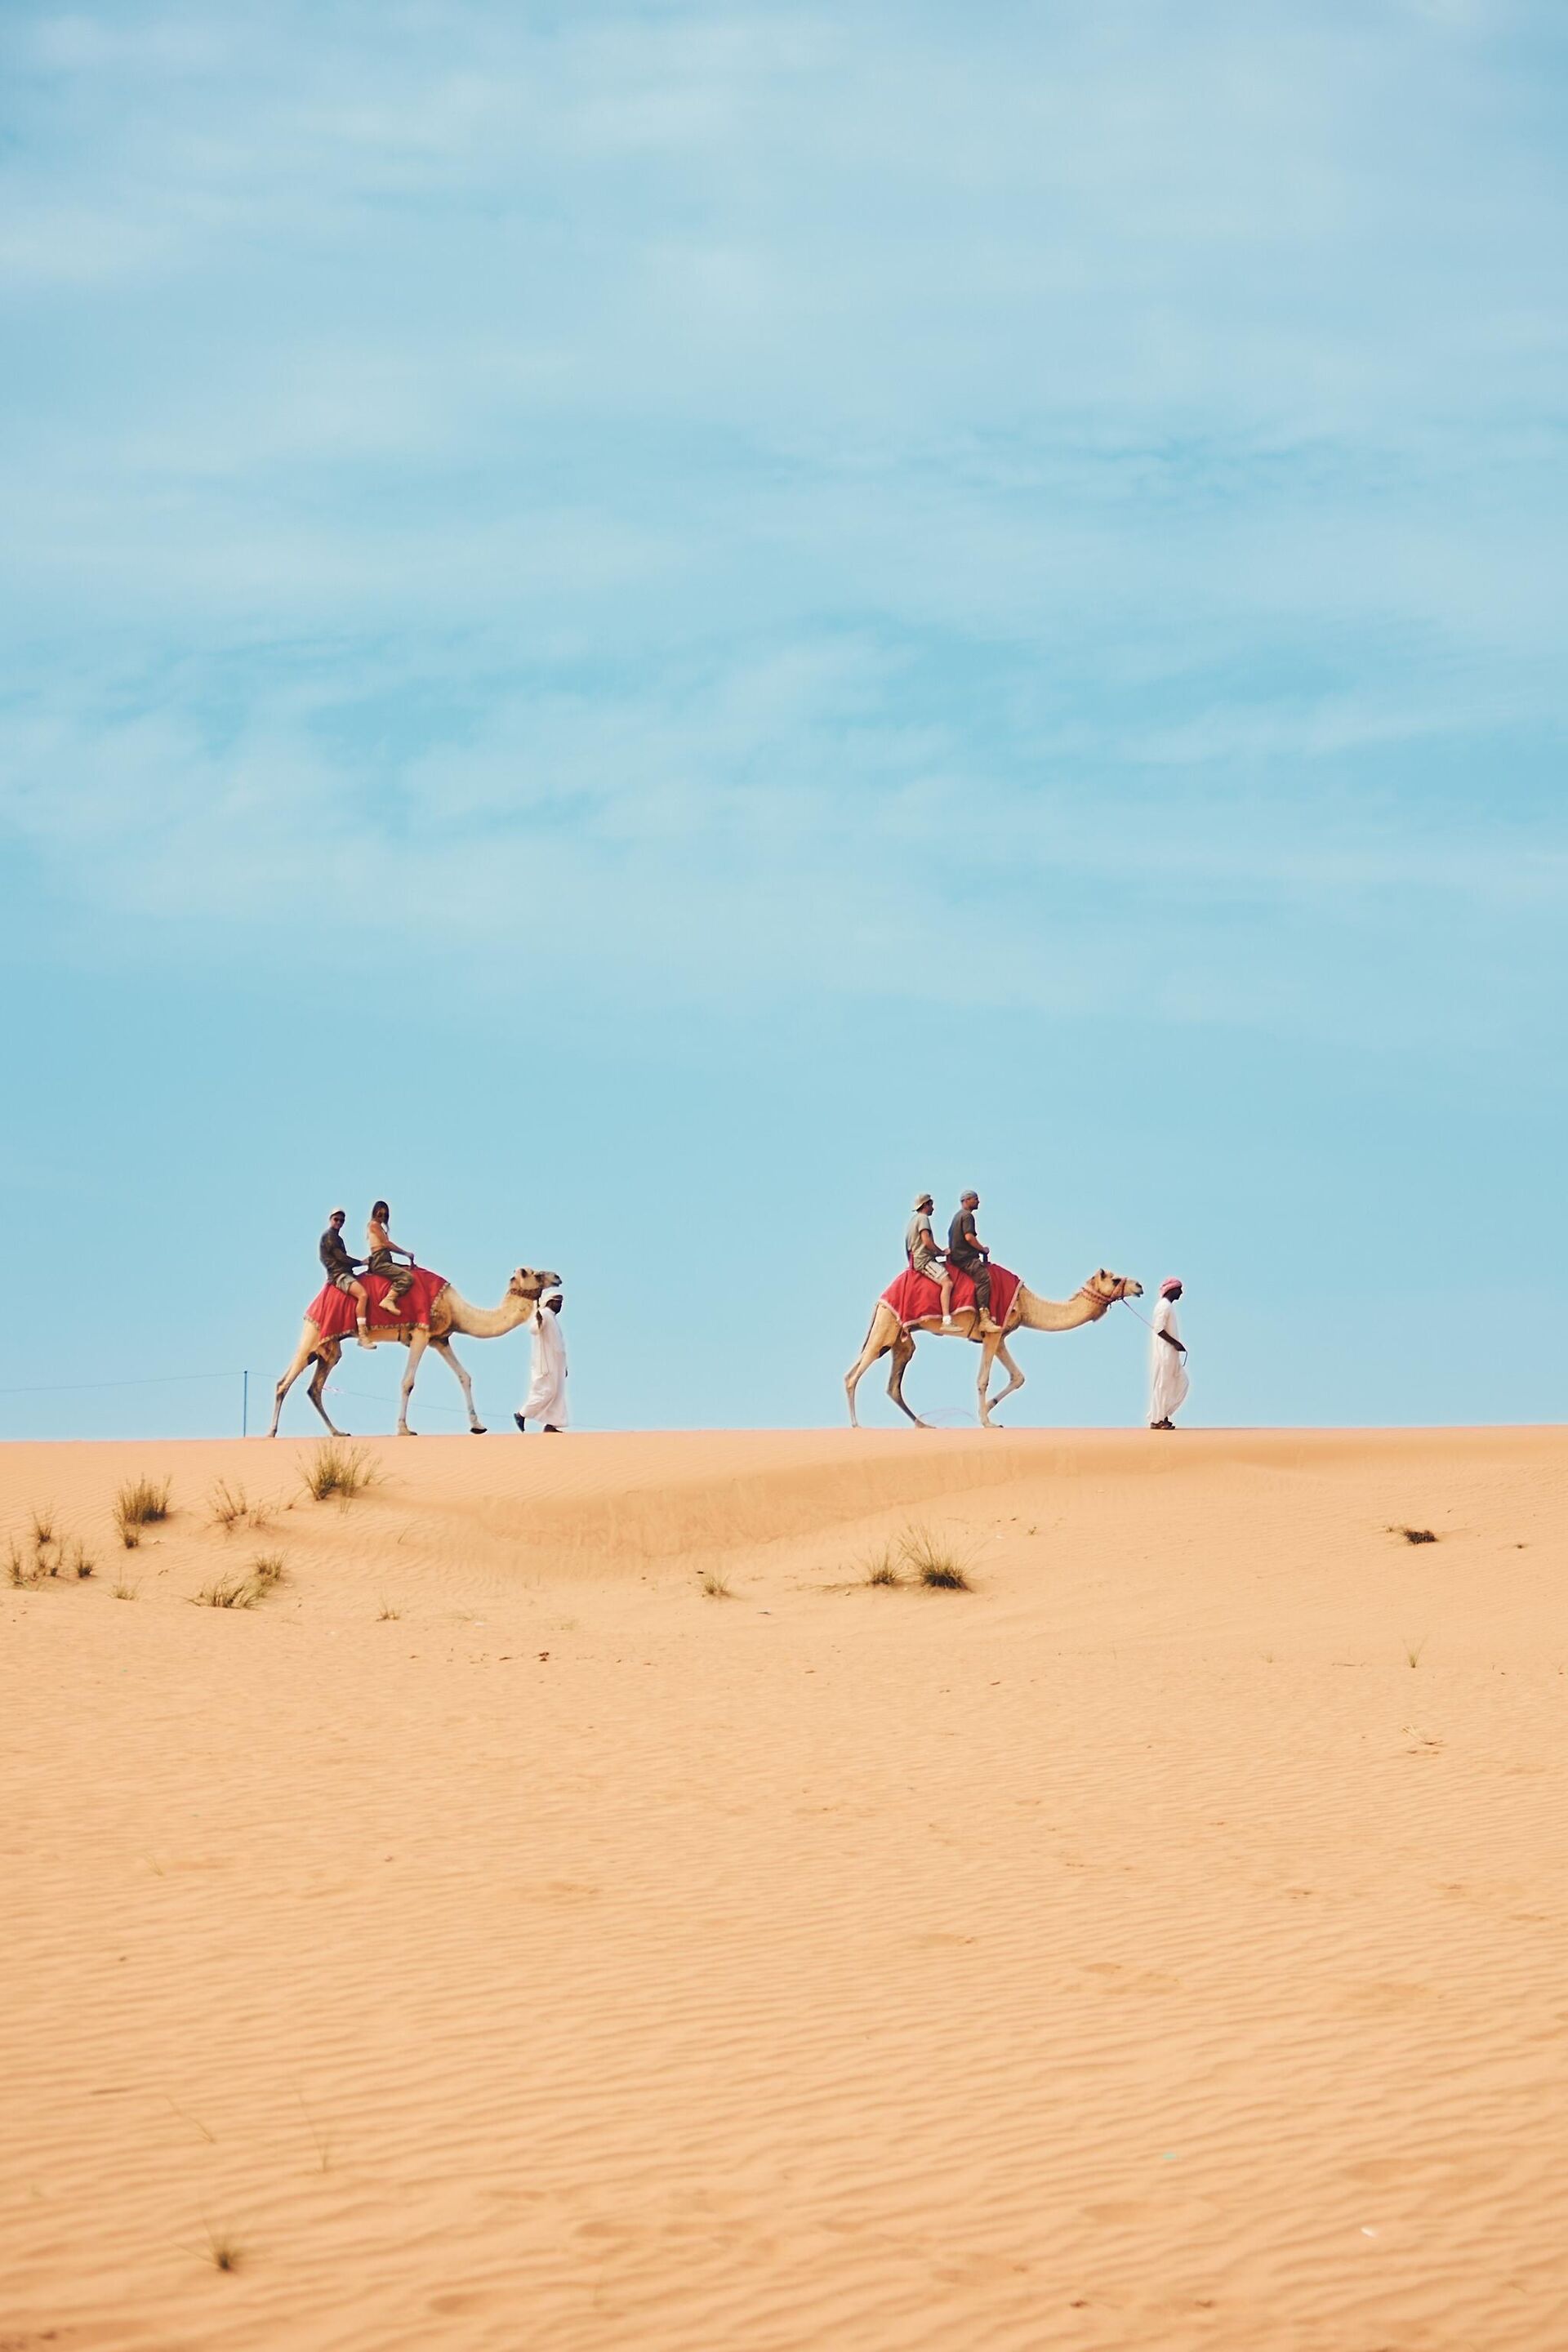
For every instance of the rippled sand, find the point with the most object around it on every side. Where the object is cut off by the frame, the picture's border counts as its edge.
(498, 1940)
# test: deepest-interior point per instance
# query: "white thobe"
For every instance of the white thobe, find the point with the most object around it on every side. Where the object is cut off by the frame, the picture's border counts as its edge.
(546, 1398)
(1168, 1381)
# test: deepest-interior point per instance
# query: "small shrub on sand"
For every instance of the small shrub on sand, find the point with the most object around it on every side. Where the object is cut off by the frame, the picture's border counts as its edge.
(386, 1614)
(879, 1569)
(223, 2252)
(1413, 1650)
(268, 1572)
(934, 1562)
(51, 1555)
(230, 1505)
(338, 1469)
(125, 1591)
(140, 1502)
(230, 1592)
(715, 1587)
(1414, 1535)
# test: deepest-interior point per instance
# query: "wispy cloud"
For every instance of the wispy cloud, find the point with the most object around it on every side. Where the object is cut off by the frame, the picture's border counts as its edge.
(754, 492)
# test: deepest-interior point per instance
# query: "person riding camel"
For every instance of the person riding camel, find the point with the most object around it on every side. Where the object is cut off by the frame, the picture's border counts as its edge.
(343, 1271)
(969, 1254)
(925, 1258)
(384, 1253)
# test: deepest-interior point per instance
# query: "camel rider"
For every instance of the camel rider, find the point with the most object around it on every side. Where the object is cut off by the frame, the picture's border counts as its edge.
(968, 1253)
(342, 1270)
(384, 1253)
(921, 1249)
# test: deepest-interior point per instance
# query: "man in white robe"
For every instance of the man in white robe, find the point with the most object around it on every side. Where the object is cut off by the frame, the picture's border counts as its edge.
(546, 1398)
(1168, 1381)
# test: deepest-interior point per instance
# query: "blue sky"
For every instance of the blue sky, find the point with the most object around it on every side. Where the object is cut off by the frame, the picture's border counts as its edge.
(646, 628)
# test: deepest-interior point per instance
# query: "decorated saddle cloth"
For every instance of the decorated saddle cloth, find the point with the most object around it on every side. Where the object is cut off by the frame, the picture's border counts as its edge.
(333, 1310)
(914, 1296)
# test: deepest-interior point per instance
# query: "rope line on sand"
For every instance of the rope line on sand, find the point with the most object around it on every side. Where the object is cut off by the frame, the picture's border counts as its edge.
(368, 1396)
(177, 1379)
(154, 1381)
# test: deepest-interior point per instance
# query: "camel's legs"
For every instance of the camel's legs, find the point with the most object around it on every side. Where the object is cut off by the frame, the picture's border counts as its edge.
(1015, 1377)
(853, 1377)
(990, 1347)
(301, 1359)
(304, 1357)
(875, 1346)
(444, 1347)
(326, 1358)
(418, 1342)
(903, 1357)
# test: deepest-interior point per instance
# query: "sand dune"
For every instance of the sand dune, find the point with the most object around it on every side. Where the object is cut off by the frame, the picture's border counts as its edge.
(503, 1942)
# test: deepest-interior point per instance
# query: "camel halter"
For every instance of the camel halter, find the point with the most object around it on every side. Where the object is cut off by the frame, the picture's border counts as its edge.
(1125, 1301)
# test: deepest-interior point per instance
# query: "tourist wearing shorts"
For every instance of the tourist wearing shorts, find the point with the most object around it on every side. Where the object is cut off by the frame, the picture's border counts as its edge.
(921, 1249)
(342, 1270)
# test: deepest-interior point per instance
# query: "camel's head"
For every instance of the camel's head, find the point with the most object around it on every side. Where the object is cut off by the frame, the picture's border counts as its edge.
(1103, 1284)
(530, 1287)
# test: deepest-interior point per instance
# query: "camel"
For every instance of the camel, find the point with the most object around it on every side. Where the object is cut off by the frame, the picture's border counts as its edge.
(1087, 1305)
(450, 1311)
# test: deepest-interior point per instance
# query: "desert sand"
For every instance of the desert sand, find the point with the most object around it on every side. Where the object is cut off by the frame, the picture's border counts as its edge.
(496, 1938)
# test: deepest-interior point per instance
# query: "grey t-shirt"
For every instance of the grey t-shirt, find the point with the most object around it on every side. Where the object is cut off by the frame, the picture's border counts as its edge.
(918, 1235)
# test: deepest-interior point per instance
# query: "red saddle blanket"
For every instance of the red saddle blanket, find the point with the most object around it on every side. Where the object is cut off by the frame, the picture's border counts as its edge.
(334, 1311)
(914, 1296)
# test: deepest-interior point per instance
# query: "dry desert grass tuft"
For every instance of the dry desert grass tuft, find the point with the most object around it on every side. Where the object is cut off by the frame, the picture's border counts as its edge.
(231, 1508)
(266, 1573)
(50, 1556)
(338, 1469)
(934, 1562)
(228, 1592)
(140, 1502)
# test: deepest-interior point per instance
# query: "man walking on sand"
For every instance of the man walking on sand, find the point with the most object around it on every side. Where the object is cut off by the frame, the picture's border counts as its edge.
(968, 1253)
(1168, 1381)
(546, 1398)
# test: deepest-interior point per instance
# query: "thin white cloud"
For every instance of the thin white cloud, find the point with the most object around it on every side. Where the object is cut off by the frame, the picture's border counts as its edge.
(800, 481)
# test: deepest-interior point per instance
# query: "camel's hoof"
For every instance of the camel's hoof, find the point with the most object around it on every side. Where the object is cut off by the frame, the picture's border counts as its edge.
(477, 1429)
